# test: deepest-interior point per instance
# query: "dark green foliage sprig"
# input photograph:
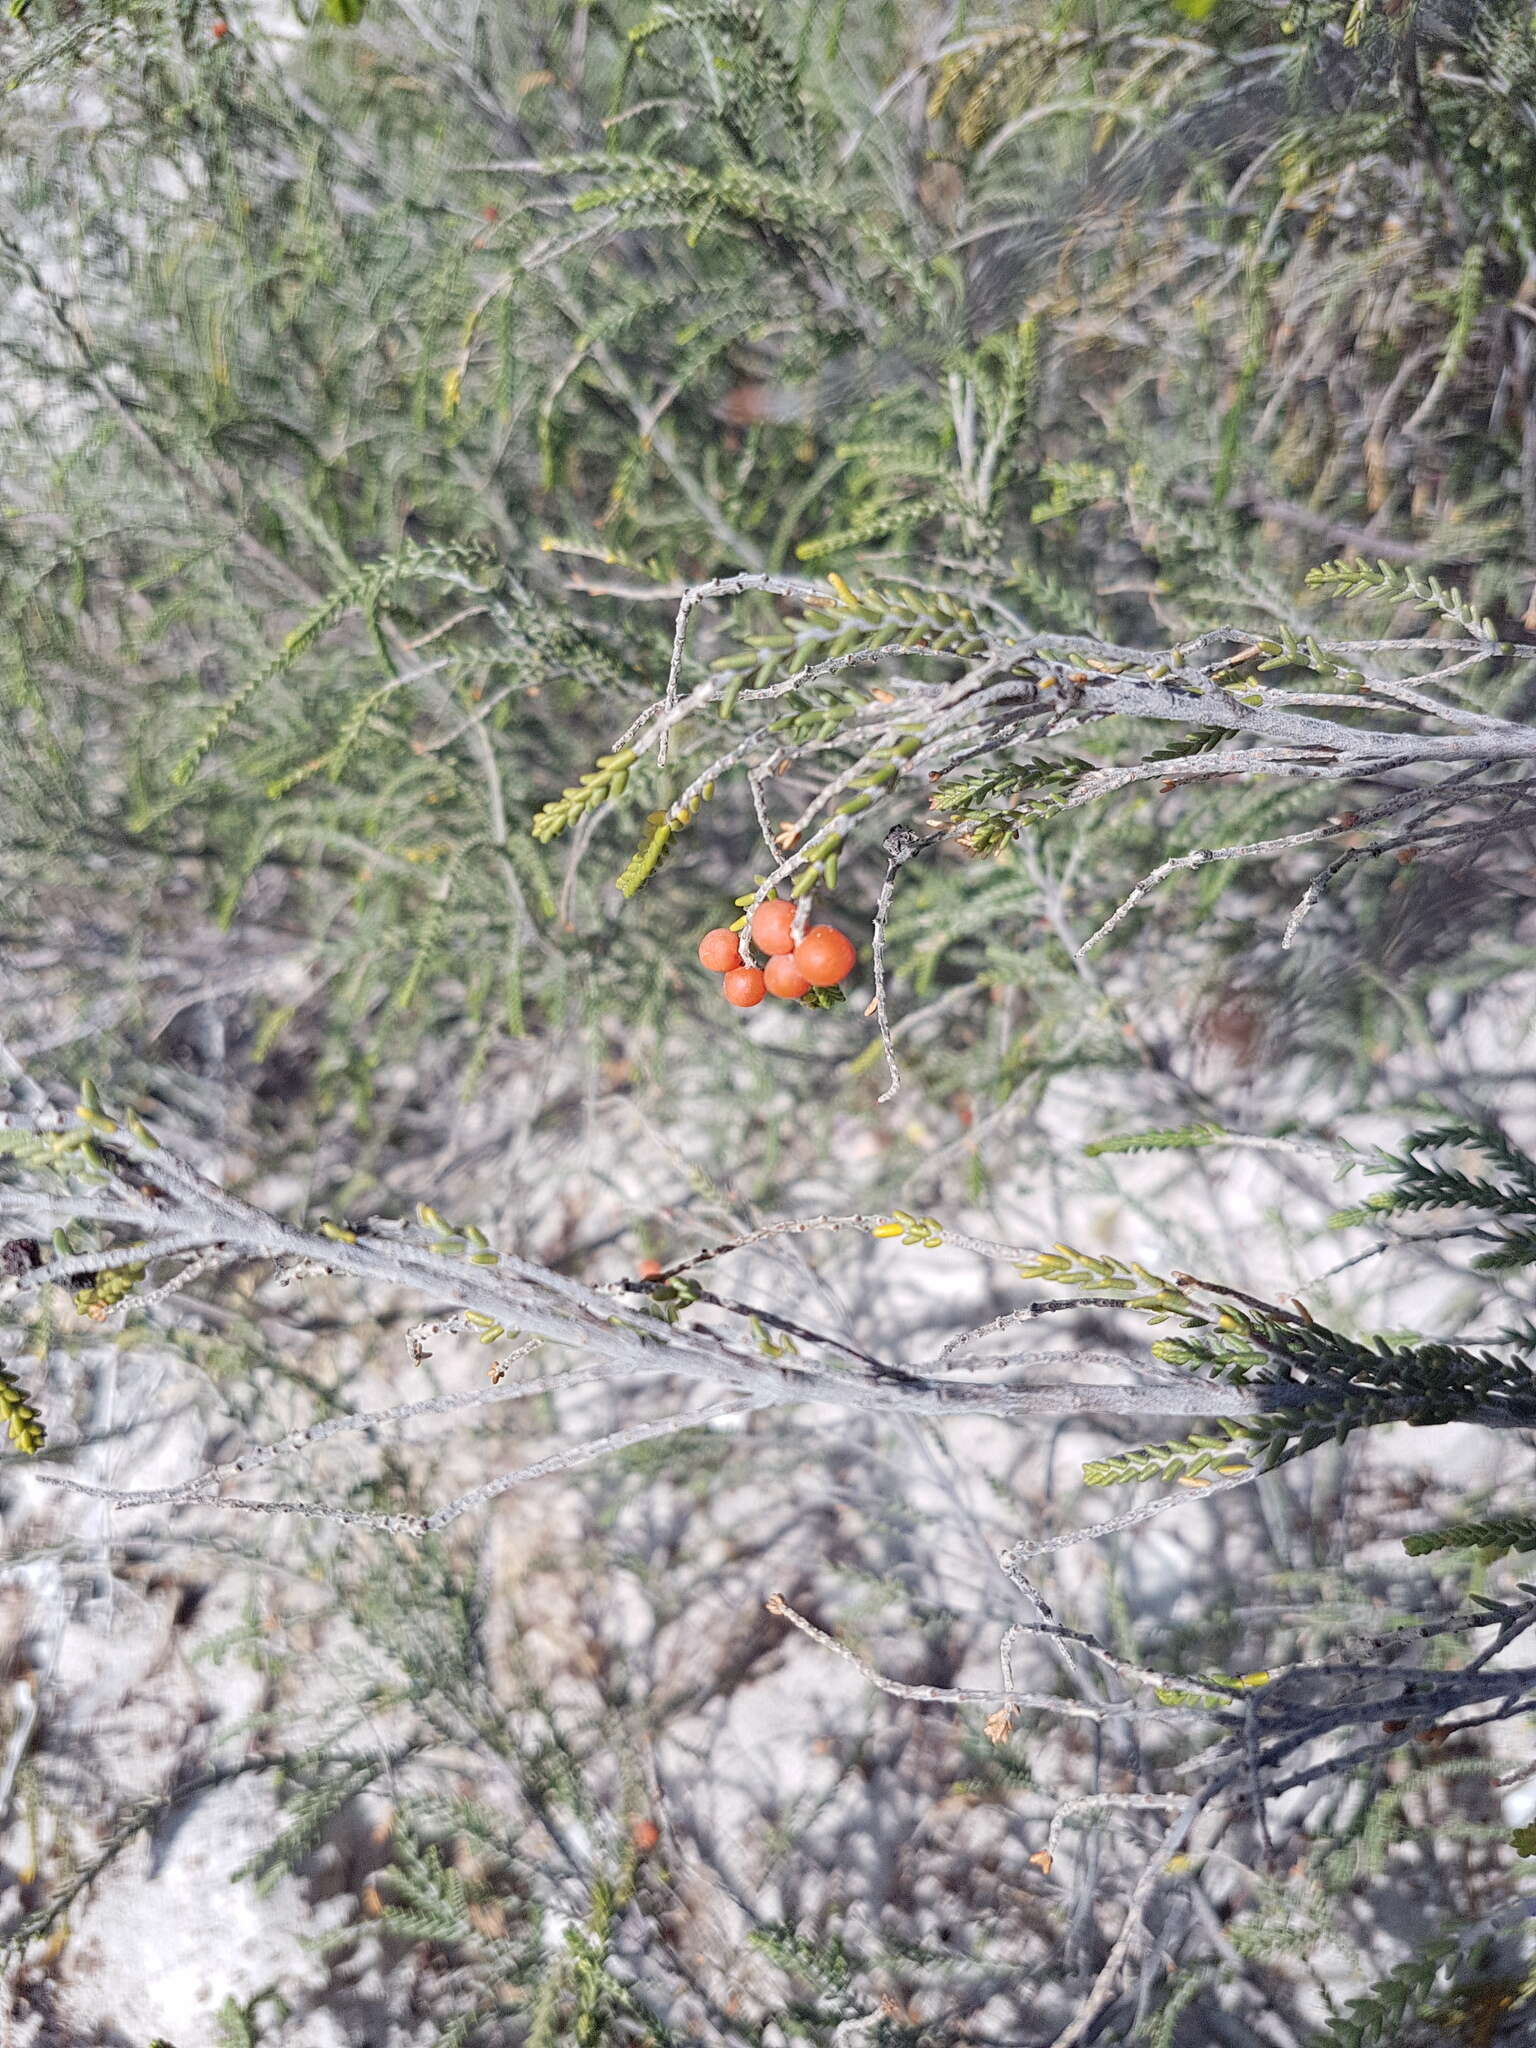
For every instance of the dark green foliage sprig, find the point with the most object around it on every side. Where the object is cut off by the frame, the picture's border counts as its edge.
(669, 1298)
(988, 811)
(319, 1788)
(1360, 1385)
(1406, 1993)
(1493, 1537)
(1507, 1202)
(427, 1901)
(1227, 1351)
(1199, 740)
(823, 1964)
(1517, 1249)
(1437, 1381)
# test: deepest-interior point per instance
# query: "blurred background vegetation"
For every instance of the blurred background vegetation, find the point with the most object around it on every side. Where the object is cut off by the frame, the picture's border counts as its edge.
(370, 388)
(313, 338)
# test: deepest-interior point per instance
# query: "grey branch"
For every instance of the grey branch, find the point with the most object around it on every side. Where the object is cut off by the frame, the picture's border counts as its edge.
(182, 1216)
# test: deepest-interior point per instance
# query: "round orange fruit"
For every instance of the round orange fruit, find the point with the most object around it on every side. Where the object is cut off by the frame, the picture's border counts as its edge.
(771, 923)
(744, 987)
(783, 978)
(825, 956)
(720, 951)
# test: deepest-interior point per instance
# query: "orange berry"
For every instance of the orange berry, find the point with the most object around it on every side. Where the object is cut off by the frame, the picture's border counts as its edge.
(220, 31)
(824, 956)
(744, 987)
(649, 1269)
(771, 925)
(645, 1835)
(783, 978)
(720, 951)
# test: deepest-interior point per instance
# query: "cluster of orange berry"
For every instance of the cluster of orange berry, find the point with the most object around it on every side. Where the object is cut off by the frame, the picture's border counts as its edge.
(822, 959)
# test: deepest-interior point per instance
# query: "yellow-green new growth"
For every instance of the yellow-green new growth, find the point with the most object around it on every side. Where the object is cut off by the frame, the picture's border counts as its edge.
(1157, 1298)
(924, 1231)
(1184, 1463)
(1175, 1696)
(820, 870)
(930, 618)
(661, 828)
(106, 1290)
(90, 1111)
(600, 785)
(22, 1423)
(457, 1241)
